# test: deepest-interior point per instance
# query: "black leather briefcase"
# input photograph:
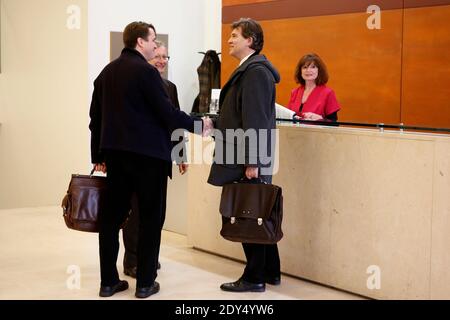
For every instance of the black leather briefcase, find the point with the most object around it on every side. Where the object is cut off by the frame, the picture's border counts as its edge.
(251, 212)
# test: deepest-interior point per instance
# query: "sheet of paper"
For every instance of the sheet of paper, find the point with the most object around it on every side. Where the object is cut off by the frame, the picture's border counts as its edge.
(283, 112)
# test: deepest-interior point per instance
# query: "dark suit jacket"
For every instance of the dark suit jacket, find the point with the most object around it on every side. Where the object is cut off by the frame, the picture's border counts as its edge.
(172, 92)
(131, 111)
(247, 101)
(173, 95)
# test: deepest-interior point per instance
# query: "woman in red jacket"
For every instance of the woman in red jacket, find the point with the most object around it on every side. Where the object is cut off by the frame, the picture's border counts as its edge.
(313, 100)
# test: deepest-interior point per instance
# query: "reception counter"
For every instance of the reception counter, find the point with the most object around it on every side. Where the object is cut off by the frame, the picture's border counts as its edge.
(364, 211)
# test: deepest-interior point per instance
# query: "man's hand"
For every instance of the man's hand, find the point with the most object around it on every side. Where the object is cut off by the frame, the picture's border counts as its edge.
(100, 167)
(251, 172)
(183, 168)
(208, 126)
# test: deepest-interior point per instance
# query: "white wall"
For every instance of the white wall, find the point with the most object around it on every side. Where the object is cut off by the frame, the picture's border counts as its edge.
(192, 26)
(43, 101)
(47, 74)
(213, 24)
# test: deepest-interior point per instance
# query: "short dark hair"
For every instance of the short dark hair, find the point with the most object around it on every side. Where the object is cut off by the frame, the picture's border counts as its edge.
(135, 30)
(251, 29)
(306, 60)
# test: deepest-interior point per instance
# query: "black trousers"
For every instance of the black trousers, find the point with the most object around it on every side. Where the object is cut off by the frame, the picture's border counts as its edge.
(129, 174)
(263, 261)
(130, 236)
(131, 230)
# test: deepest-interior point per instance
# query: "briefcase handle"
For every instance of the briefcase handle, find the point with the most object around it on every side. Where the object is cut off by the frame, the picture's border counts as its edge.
(251, 181)
(92, 173)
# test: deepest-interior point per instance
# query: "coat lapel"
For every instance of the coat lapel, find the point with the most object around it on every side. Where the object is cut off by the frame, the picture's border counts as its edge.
(233, 78)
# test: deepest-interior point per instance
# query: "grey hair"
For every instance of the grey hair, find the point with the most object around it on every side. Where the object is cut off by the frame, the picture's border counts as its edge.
(160, 44)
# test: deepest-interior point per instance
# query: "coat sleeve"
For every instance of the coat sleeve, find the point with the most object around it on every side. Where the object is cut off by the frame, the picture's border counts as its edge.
(95, 114)
(331, 104)
(157, 98)
(258, 90)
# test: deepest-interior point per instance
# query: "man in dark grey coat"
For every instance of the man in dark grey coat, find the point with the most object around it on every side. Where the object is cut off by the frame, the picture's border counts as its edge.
(247, 109)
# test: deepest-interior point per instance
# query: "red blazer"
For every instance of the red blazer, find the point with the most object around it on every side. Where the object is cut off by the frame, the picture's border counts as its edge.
(322, 101)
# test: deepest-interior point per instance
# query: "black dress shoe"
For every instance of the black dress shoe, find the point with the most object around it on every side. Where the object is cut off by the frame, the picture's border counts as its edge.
(275, 281)
(145, 292)
(130, 271)
(243, 286)
(108, 291)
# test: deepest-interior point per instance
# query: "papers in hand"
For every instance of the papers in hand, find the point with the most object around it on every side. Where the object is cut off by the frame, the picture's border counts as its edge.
(283, 112)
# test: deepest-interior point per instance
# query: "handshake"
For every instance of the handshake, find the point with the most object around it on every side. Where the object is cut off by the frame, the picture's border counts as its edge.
(208, 126)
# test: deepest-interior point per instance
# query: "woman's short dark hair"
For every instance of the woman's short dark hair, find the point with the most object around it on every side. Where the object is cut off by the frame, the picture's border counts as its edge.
(135, 30)
(251, 29)
(306, 60)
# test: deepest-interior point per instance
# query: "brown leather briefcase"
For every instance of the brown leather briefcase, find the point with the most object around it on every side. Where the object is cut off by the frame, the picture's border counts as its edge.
(251, 212)
(84, 200)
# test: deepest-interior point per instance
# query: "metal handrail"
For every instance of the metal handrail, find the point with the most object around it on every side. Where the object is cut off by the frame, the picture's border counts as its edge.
(380, 126)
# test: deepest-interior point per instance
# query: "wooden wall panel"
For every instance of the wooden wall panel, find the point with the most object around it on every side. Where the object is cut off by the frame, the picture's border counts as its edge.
(287, 9)
(426, 67)
(227, 3)
(397, 74)
(422, 3)
(353, 54)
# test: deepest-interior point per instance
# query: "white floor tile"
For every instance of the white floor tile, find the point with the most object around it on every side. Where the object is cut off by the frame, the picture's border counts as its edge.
(37, 250)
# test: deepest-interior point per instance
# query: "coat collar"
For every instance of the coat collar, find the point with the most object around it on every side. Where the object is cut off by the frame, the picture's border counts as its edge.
(253, 58)
(133, 52)
(238, 72)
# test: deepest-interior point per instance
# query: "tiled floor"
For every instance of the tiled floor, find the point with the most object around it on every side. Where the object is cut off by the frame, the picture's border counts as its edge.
(40, 259)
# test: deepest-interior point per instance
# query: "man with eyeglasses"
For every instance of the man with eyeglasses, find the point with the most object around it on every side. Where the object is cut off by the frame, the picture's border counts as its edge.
(130, 231)
(160, 61)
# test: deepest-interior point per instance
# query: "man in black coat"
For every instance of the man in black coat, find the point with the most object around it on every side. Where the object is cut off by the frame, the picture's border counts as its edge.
(247, 104)
(130, 231)
(131, 121)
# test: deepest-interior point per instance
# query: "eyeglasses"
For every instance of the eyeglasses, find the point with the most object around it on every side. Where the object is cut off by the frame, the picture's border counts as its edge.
(166, 58)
